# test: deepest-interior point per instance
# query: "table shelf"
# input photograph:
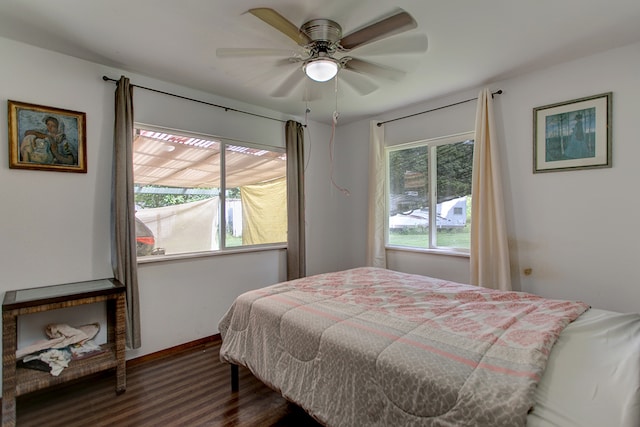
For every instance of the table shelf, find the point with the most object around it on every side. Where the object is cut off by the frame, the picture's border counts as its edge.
(29, 380)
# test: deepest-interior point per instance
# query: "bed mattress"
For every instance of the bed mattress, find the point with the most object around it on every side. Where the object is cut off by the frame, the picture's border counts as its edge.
(592, 377)
(376, 347)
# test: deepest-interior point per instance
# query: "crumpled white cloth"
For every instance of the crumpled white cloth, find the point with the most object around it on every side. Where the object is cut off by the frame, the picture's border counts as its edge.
(56, 359)
(60, 335)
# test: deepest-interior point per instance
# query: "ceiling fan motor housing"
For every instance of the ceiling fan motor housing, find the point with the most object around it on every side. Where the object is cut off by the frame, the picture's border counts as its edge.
(324, 35)
(324, 30)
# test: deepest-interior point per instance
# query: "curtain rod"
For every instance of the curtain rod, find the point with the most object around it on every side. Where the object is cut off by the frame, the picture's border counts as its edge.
(498, 92)
(105, 78)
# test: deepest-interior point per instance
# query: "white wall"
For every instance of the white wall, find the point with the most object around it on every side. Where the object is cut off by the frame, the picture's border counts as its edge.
(576, 230)
(55, 226)
(324, 250)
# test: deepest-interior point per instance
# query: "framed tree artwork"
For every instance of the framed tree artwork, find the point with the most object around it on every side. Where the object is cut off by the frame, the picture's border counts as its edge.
(573, 134)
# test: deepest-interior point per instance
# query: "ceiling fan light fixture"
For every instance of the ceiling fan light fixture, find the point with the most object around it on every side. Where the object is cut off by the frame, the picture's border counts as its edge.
(321, 70)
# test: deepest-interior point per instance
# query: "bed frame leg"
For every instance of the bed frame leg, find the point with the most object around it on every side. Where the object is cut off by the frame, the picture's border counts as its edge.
(235, 383)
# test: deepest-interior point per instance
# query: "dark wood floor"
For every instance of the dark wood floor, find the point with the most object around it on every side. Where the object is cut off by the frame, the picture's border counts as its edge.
(190, 388)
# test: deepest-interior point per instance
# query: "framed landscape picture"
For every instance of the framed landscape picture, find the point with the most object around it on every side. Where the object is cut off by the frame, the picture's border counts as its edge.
(46, 138)
(573, 135)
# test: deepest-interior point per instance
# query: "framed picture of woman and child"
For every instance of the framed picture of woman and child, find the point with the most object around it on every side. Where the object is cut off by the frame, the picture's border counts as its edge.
(46, 138)
(573, 135)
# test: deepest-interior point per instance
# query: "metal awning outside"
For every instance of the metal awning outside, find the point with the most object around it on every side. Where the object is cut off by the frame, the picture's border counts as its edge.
(182, 161)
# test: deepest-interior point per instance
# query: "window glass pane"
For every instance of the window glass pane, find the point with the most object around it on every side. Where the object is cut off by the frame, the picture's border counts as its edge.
(426, 177)
(454, 194)
(409, 197)
(176, 185)
(256, 196)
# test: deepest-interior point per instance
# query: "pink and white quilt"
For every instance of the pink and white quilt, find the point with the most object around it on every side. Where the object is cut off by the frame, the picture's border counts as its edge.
(375, 347)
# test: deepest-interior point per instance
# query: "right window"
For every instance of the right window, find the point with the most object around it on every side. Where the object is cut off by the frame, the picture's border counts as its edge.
(425, 177)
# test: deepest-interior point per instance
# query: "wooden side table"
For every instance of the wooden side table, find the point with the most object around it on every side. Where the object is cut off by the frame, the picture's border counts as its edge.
(17, 381)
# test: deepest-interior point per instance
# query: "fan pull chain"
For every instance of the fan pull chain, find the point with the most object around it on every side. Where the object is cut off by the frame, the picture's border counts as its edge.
(333, 133)
(307, 110)
(335, 92)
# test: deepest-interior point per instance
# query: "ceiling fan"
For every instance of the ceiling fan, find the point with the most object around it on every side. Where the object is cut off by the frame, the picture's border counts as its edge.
(323, 51)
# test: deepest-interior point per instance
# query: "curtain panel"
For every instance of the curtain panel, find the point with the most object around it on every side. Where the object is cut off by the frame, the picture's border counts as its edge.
(489, 252)
(123, 233)
(296, 252)
(376, 253)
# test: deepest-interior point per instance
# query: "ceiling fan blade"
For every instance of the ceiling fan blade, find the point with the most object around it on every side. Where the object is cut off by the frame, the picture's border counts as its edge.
(395, 24)
(288, 61)
(312, 91)
(269, 73)
(365, 67)
(224, 52)
(360, 84)
(289, 84)
(281, 24)
(417, 43)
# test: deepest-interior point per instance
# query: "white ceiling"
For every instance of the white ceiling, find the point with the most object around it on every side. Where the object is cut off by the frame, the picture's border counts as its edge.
(470, 43)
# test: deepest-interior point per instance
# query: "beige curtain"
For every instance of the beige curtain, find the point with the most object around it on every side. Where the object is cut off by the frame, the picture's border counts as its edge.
(123, 230)
(376, 254)
(296, 257)
(489, 249)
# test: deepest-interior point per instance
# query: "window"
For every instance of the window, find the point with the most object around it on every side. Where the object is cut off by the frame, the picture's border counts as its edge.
(198, 193)
(430, 176)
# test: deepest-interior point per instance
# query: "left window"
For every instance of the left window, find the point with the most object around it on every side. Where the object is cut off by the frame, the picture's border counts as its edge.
(198, 193)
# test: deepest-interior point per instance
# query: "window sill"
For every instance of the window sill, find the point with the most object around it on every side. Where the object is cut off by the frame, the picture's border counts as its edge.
(464, 253)
(230, 251)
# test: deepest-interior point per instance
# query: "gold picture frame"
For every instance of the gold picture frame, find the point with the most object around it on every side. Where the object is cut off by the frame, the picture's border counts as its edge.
(46, 138)
(573, 135)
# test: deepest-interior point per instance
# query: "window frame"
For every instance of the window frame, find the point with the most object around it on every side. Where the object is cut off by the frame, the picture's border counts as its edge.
(431, 144)
(223, 249)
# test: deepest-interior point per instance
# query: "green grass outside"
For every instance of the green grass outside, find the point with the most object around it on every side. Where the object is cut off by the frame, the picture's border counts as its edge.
(232, 241)
(451, 239)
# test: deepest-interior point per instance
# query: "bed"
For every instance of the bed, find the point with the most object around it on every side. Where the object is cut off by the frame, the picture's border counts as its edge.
(375, 347)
